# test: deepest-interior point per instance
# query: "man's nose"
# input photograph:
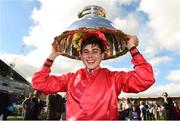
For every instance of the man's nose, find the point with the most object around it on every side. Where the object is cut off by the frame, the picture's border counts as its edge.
(90, 54)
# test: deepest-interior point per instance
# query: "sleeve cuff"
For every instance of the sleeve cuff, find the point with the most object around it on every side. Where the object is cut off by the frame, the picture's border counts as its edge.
(48, 63)
(134, 51)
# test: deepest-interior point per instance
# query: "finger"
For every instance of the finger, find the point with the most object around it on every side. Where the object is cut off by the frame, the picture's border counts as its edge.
(59, 53)
(129, 35)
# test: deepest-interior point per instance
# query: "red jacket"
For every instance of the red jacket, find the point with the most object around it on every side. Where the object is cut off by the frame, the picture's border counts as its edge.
(95, 96)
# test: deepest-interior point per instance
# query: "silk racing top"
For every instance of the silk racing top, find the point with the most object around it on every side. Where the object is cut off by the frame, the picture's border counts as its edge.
(95, 96)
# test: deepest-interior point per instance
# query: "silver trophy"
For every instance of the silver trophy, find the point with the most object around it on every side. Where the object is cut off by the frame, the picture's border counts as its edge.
(91, 19)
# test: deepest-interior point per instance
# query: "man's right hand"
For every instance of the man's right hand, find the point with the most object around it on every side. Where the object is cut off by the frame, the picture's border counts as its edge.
(54, 54)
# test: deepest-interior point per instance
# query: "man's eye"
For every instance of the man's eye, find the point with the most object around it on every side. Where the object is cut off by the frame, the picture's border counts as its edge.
(85, 52)
(95, 51)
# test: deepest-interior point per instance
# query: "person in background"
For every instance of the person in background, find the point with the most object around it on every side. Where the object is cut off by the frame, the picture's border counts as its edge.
(27, 103)
(127, 108)
(50, 107)
(9, 108)
(34, 111)
(54, 107)
(167, 104)
(41, 103)
(4, 101)
(142, 111)
(176, 110)
(156, 111)
(63, 116)
(134, 116)
(92, 92)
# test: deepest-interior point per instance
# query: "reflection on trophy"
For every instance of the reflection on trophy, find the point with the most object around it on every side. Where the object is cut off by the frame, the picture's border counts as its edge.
(91, 20)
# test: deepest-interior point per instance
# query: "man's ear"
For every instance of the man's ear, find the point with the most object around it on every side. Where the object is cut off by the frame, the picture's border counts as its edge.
(102, 55)
(80, 55)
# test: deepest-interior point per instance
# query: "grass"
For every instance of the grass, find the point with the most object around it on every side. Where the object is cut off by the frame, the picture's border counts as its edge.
(15, 117)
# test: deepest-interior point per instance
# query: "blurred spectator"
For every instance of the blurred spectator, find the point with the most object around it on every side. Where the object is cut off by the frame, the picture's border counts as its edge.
(134, 114)
(167, 104)
(50, 107)
(54, 107)
(64, 108)
(4, 100)
(156, 111)
(176, 110)
(126, 108)
(9, 108)
(151, 112)
(34, 110)
(59, 106)
(127, 103)
(27, 103)
(41, 103)
(136, 104)
(142, 111)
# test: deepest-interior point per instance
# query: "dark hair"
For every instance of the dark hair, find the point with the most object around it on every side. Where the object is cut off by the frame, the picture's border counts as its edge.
(94, 41)
(165, 94)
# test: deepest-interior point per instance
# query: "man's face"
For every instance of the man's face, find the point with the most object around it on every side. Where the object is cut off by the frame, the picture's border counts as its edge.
(91, 56)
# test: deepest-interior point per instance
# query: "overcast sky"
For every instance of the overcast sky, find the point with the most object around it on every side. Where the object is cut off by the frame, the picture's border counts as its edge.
(28, 27)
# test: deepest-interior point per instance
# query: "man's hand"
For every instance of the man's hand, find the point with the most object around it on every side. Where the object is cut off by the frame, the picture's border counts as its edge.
(54, 54)
(132, 42)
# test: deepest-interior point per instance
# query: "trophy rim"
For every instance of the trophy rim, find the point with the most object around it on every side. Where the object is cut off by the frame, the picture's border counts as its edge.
(114, 31)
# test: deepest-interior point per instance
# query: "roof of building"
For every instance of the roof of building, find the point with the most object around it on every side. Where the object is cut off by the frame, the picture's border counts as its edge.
(7, 71)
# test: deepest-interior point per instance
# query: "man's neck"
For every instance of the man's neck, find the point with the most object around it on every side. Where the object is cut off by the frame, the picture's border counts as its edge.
(90, 71)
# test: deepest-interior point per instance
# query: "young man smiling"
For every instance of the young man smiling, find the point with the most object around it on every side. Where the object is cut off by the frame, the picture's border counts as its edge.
(92, 92)
(92, 52)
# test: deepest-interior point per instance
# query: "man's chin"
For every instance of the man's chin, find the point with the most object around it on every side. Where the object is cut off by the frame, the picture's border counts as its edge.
(92, 67)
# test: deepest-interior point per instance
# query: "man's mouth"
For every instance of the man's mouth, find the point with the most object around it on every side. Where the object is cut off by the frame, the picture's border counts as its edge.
(91, 61)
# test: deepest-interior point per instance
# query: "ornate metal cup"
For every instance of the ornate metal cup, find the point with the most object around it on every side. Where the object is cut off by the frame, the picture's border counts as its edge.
(91, 19)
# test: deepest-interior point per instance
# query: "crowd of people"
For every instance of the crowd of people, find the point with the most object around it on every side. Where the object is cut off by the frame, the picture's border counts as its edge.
(165, 109)
(53, 108)
(8, 103)
(36, 108)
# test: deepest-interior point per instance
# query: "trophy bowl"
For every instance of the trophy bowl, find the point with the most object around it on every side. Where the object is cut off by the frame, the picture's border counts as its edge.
(92, 19)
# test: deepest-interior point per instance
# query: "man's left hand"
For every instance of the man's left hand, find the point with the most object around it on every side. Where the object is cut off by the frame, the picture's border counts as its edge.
(132, 42)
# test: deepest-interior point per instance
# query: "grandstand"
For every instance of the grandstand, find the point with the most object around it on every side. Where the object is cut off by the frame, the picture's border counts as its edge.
(11, 81)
